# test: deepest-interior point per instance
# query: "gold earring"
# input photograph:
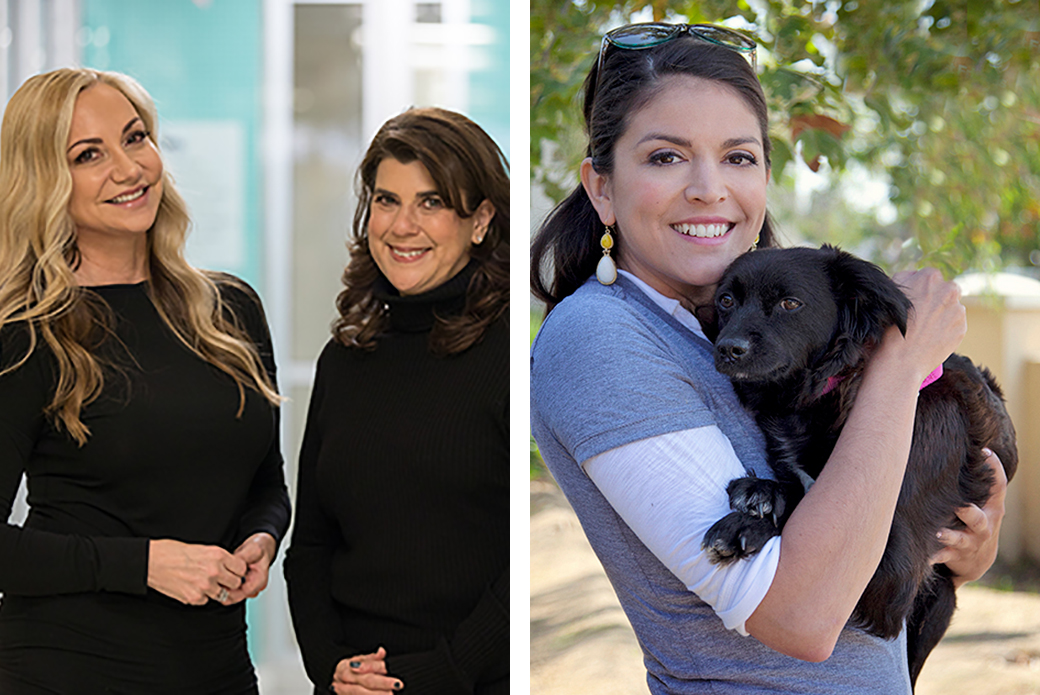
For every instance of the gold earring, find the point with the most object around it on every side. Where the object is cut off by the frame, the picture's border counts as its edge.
(754, 244)
(606, 271)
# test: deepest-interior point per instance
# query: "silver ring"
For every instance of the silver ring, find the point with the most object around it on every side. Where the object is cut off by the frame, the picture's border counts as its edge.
(223, 595)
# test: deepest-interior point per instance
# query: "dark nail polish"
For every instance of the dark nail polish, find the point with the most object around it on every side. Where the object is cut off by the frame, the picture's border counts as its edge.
(398, 685)
(355, 664)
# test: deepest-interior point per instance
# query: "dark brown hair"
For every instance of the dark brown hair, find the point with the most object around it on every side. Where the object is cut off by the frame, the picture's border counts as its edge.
(565, 246)
(467, 168)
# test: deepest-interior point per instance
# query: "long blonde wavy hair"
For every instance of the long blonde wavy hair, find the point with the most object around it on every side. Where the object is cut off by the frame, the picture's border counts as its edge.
(38, 254)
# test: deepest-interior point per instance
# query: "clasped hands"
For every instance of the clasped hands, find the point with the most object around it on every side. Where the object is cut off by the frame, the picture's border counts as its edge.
(364, 674)
(195, 574)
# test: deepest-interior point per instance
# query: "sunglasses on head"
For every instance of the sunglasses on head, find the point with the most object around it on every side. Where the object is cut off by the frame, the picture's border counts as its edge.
(636, 37)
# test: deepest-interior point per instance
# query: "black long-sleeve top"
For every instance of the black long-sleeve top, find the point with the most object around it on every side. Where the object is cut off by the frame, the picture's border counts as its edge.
(166, 458)
(401, 535)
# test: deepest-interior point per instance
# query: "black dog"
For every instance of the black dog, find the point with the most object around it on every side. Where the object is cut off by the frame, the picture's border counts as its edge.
(795, 328)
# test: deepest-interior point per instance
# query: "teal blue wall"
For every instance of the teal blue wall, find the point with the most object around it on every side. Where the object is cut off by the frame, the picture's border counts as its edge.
(197, 63)
(489, 88)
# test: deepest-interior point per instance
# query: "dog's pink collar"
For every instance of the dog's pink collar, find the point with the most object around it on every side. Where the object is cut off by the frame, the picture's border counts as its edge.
(933, 377)
(832, 382)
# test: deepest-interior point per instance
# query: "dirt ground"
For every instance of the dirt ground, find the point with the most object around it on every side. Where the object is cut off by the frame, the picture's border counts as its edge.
(581, 642)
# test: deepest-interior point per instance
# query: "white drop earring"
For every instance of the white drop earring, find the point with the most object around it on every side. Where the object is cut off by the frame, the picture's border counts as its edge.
(606, 271)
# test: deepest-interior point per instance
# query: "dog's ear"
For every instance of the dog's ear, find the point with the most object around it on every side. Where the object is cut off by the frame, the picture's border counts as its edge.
(869, 302)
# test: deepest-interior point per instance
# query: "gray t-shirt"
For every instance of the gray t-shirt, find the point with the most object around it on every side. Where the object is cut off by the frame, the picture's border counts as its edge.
(610, 367)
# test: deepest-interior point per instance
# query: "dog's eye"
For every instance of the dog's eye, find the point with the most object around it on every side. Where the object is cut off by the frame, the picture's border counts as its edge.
(790, 304)
(726, 301)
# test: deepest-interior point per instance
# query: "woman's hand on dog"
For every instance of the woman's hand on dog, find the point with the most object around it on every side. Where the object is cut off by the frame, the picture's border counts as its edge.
(935, 329)
(937, 323)
(969, 552)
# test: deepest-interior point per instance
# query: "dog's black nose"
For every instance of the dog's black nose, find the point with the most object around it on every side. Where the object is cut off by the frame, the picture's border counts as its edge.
(732, 349)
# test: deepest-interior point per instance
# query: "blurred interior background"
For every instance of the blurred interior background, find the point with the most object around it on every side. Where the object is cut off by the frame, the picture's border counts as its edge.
(266, 107)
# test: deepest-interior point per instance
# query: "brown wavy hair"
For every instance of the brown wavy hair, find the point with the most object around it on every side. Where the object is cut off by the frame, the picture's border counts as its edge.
(467, 167)
(38, 254)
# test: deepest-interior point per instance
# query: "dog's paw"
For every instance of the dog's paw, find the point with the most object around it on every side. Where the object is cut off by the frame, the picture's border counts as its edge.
(737, 535)
(759, 498)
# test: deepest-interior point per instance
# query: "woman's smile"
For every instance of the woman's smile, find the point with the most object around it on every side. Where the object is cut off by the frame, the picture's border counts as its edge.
(705, 231)
(133, 196)
(405, 255)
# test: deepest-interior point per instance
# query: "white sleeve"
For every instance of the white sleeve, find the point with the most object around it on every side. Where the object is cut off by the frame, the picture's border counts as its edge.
(670, 489)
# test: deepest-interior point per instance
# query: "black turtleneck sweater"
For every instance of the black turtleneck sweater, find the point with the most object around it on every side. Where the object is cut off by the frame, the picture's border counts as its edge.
(401, 536)
(167, 458)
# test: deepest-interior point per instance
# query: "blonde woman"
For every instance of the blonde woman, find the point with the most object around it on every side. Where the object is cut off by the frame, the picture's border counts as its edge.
(137, 395)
